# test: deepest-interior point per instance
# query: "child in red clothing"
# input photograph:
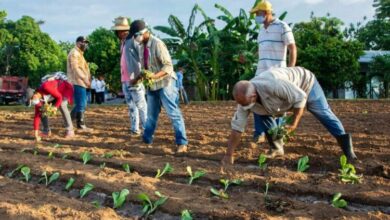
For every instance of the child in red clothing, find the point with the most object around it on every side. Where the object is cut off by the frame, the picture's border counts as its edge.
(59, 92)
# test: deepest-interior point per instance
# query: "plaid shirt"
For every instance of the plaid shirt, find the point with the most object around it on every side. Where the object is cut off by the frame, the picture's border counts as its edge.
(159, 60)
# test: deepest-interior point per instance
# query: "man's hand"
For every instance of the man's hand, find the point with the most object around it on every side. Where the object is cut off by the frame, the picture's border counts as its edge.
(291, 128)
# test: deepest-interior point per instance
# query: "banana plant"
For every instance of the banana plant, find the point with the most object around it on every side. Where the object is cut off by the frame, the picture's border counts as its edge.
(194, 176)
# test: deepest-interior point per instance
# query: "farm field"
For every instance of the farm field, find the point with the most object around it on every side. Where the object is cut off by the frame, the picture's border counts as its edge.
(291, 194)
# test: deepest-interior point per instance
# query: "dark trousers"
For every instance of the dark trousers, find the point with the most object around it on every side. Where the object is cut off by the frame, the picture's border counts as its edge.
(100, 97)
(93, 96)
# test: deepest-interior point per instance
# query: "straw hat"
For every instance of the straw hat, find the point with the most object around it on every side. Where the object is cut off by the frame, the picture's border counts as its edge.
(121, 24)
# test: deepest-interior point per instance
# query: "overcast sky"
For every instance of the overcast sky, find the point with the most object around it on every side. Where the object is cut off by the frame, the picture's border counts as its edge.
(66, 19)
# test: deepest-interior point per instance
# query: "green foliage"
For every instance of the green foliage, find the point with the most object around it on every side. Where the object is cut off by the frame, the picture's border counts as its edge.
(70, 183)
(262, 161)
(303, 164)
(380, 67)
(48, 180)
(148, 205)
(338, 202)
(54, 177)
(108, 155)
(167, 169)
(119, 198)
(50, 155)
(226, 183)
(186, 215)
(96, 204)
(220, 193)
(196, 175)
(86, 157)
(26, 173)
(348, 172)
(10, 174)
(280, 131)
(324, 51)
(87, 188)
(126, 167)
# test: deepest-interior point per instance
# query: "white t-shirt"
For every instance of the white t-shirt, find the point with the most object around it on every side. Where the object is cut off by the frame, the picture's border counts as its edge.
(93, 83)
(273, 43)
(100, 86)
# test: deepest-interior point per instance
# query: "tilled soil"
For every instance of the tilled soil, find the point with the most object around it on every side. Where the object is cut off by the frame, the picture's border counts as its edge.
(291, 194)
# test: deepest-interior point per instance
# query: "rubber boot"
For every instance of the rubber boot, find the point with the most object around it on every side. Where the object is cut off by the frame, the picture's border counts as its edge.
(276, 147)
(81, 122)
(345, 142)
(73, 114)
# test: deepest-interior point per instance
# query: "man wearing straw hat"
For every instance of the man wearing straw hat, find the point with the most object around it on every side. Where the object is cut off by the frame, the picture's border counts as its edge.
(133, 90)
(275, 38)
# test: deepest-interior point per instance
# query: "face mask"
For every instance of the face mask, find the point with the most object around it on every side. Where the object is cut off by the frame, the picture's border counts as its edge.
(35, 102)
(247, 107)
(260, 19)
(139, 39)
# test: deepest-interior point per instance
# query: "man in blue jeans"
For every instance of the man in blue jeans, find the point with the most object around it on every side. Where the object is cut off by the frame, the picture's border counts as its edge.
(275, 92)
(79, 75)
(154, 57)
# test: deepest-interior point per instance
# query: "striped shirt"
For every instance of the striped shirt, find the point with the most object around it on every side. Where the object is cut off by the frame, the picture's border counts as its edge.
(159, 60)
(273, 42)
(280, 90)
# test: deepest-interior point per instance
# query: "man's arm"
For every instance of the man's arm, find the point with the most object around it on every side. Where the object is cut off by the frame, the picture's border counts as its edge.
(234, 140)
(292, 48)
(297, 115)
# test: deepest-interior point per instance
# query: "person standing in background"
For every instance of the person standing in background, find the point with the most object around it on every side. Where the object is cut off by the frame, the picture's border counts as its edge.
(182, 92)
(100, 89)
(93, 90)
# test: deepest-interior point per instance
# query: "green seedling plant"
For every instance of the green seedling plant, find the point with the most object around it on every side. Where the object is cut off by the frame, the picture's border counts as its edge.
(266, 198)
(262, 161)
(280, 131)
(186, 215)
(96, 204)
(220, 193)
(338, 202)
(54, 177)
(44, 178)
(108, 155)
(69, 184)
(50, 155)
(148, 205)
(167, 169)
(194, 176)
(87, 188)
(10, 174)
(26, 173)
(102, 165)
(86, 157)
(303, 164)
(226, 183)
(348, 172)
(126, 167)
(120, 198)
(65, 156)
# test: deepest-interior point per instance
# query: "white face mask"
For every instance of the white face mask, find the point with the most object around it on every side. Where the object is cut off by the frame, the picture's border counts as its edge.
(139, 38)
(35, 101)
(247, 107)
(260, 19)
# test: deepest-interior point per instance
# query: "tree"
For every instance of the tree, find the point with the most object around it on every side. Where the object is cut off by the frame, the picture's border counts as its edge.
(323, 49)
(380, 67)
(104, 51)
(382, 10)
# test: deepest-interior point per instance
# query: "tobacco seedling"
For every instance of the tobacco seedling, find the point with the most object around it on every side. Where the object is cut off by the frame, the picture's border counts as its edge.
(69, 184)
(226, 183)
(26, 173)
(266, 198)
(338, 202)
(96, 204)
(126, 167)
(167, 169)
(108, 155)
(186, 215)
(220, 193)
(303, 164)
(348, 172)
(102, 165)
(86, 156)
(65, 156)
(196, 175)
(44, 178)
(262, 161)
(50, 155)
(10, 174)
(54, 177)
(87, 188)
(148, 206)
(119, 198)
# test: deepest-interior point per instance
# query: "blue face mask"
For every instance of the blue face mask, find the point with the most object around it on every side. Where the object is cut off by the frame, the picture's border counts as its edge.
(260, 19)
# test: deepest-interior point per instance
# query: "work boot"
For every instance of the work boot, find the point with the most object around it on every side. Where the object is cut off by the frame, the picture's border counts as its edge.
(73, 114)
(345, 142)
(275, 147)
(81, 122)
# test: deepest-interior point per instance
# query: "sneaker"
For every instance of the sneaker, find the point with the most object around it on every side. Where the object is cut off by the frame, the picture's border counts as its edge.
(69, 134)
(259, 139)
(182, 148)
(135, 133)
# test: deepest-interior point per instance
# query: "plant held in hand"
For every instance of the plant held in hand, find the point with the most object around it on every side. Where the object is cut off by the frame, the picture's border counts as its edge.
(280, 131)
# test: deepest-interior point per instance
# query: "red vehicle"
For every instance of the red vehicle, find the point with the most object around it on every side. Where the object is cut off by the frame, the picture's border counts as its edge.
(13, 89)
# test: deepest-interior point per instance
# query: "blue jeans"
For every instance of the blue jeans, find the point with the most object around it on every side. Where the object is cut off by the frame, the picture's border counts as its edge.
(135, 99)
(318, 106)
(167, 98)
(80, 98)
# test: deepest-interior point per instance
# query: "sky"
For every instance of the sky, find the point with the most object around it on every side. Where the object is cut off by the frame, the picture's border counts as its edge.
(67, 19)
